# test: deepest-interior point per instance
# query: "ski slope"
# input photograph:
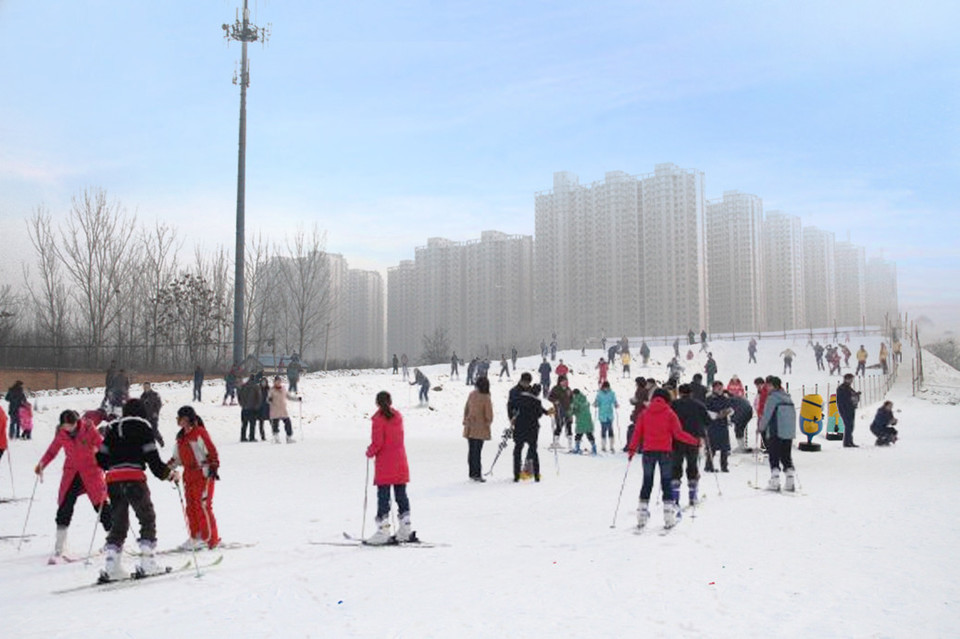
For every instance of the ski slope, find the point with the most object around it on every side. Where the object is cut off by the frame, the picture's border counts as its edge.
(867, 549)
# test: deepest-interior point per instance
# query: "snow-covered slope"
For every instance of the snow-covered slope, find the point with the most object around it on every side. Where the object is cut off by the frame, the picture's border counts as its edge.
(867, 549)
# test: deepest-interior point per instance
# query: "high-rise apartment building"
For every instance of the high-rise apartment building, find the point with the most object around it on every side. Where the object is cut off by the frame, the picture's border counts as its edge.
(819, 277)
(735, 273)
(783, 268)
(365, 316)
(882, 302)
(403, 311)
(851, 265)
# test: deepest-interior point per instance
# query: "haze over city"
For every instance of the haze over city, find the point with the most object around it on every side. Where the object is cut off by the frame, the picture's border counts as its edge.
(388, 124)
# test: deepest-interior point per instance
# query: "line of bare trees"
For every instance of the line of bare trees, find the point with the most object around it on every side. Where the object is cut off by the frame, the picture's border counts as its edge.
(105, 287)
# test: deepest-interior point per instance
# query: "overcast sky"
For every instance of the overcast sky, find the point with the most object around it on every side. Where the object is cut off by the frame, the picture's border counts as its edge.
(391, 122)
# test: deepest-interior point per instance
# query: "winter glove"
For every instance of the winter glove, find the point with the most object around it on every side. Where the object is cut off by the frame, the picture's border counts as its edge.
(174, 476)
(160, 440)
(630, 454)
(39, 471)
(213, 471)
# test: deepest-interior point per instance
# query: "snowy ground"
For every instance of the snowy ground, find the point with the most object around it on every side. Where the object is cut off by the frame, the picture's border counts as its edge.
(868, 549)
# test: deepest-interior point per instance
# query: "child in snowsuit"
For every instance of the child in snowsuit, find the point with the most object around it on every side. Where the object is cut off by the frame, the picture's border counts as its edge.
(581, 410)
(195, 451)
(606, 402)
(656, 429)
(390, 470)
(80, 440)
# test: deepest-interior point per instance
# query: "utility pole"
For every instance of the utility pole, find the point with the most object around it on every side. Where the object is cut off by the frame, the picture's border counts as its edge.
(244, 32)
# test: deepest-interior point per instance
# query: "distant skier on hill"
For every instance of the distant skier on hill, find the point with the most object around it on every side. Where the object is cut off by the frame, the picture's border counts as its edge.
(787, 356)
(752, 351)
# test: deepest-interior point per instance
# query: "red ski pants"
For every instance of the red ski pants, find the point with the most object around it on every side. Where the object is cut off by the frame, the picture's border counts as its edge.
(199, 495)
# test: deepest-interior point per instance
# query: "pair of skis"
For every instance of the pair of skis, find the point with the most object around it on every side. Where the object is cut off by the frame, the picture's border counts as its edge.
(136, 578)
(350, 540)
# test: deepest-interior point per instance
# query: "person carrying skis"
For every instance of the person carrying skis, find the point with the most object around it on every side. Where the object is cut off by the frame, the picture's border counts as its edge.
(80, 440)
(656, 430)
(779, 424)
(477, 417)
(580, 408)
(277, 398)
(195, 451)
(694, 420)
(606, 403)
(526, 409)
(391, 471)
(128, 448)
(419, 379)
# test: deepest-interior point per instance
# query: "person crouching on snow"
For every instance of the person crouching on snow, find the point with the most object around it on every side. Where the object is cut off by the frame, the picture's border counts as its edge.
(656, 429)
(195, 451)
(80, 440)
(390, 471)
(882, 425)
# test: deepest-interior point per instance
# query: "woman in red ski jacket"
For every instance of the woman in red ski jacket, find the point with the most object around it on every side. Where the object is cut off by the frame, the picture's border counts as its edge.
(195, 451)
(79, 439)
(390, 470)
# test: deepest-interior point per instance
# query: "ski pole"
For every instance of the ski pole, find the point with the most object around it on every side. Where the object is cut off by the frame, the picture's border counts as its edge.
(29, 508)
(13, 492)
(619, 437)
(366, 490)
(183, 509)
(706, 436)
(93, 535)
(756, 465)
(613, 524)
(301, 418)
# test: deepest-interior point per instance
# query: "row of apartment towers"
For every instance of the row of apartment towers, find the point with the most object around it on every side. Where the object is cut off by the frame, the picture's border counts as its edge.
(642, 256)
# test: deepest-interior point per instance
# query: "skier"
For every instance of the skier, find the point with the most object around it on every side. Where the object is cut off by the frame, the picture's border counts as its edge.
(561, 396)
(472, 371)
(847, 400)
(403, 366)
(718, 432)
(710, 368)
(390, 471)
(230, 387)
(846, 355)
(861, 361)
(527, 409)
(645, 352)
(603, 367)
(883, 357)
(779, 424)
(674, 370)
(787, 356)
(504, 367)
(477, 417)
(152, 404)
(80, 440)
(15, 396)
(656, 429)
(197, 383)
(606, 403)
(694, 420)
(277, 398)
(676, 347)
(625, 362)
(545, 370)
(742, 414)
(580, 408)
(883, 423)
(735, 387)
(396, 364)
(195, 451)
(513, 357)
(833, 358)
(250, 399)
(419, 379)
(752, 351)
(294, 370)
(697, 390)
(128, 448)
(818, 355)
(759, 402)
(562, 369)
(454, 365)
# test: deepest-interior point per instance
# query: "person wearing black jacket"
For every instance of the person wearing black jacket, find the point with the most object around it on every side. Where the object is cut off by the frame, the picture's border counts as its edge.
(128, 448)
(718, 431)
(526, 410)
(152, 404)
(250, 397)
(847, 400)
(694, 420)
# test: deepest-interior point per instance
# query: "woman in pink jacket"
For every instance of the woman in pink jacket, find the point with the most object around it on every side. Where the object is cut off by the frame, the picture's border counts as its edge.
(390, 470)
(79, 439)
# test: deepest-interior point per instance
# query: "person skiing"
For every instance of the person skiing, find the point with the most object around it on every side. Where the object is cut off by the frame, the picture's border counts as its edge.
(391, 471)
(561, 396)
(645, 352)
(197, 454)
(294, 370)
(787, 356)
(504, 367)
(606, 403)
(396, 364)
(882, 426)
(15, 397)
(545, 370)
(656, 430)
(580, 408)
(833, 358)
(250, 399)
(454, 365)
(79, 439)
(230, 387)
(403, 366)
(477, 417)
(526, 409)
(421, 380)
(197, 383)
(847, 400)
(128, 448)
(741, 416)
(152, 404)
(752, 351)
(861, 361)
(562, 369)
(603, 367)
(818, 355)
(710, 368)
(277, 398)
(883, 357)
(694, 420)
(846, 355)
(674, 370)
(513, 357)
(625, 363)
(718, 432)
(779, 425)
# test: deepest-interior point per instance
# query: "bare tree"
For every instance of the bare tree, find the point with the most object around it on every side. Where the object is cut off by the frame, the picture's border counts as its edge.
(307, 289)
(187, 314)
(49, 295)
(217, 270)
(160, 248)
(259, 280)
(436, 347)
(93, 251)
(10, 310)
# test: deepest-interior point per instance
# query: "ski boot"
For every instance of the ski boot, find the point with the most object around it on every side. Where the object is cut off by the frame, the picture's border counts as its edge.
(593, 449)
(724, 456)
(643, 514)
(405, 532)
(112, 567)
(670, 514)
(692, 492)
(382, 536)
(675, 490)
(789, 484)
(774, 483)
(148, 562)
(58, 546)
